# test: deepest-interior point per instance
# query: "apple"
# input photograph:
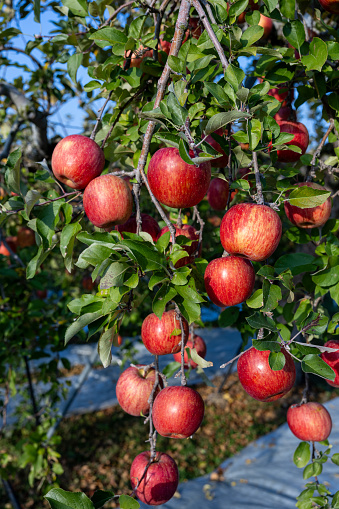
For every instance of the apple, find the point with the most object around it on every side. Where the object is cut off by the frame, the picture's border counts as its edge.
(309, 421)
(175, 183)
(241, 18)
(285, 113)
(189, 232)
(108, 201)
(310, 217)
(157, 334)
(76, 160)
(221, 162)
(251, 230)
(267, 25)
(331, 6)
(229, 280)
(194, 29)
(165, 46)
(199, 344)
(133, 389)
(148, 225)
(157, 484)
(117, 340)
(259, 380)
(178, 412)
(332, 359)
(3, 193)
(12, 242)
(138, 56)
(300, 139)
(87, 283)
(25, 237)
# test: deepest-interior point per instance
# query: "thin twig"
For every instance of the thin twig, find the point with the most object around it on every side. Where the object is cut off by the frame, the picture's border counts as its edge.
(19, 50)
(201, 222)
(183, 338)
(101, 112)
(318, 150)
(115, 13)
(210, 31)
(231, 361)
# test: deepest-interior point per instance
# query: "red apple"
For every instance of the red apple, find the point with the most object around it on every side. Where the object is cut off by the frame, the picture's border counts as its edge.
(309, 421)
(242, 173)
(194, 29)
(332, 359)
(251, 230)
(217, 194)
(148, 225)
(300, 139)
(221, 162)
(267, 25)
(331, 6)
(165, 46)
(189, 232)
(87, 283)
(178, 412)
(76, 160)
(311, 217)
(25, 237)
(175, 183)
(156, 333)
(133, 389)
(117, 340)
(138, 56)
(12, 242)
(285, 113)
(241, 18)
(259, 380)
(199, 344)
(3, 193)
(108, 201)
(157, 484)
(229, 280)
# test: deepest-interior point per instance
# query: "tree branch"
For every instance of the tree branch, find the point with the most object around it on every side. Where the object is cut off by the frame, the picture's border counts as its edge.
(318, 150)
(10, 138)
(259, 198)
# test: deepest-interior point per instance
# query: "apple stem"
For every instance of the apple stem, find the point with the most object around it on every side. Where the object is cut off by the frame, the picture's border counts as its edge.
(101, 112)
(318, 150)
(210, 31)
(306, 390)
(259, 198)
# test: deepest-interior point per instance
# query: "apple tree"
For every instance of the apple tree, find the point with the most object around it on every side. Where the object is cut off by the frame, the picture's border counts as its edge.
(197, 98)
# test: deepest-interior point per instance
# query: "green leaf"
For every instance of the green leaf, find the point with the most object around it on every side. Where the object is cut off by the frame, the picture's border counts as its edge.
(317, 56)
(237, 8)
(127, 502)
(36, 11)
(100, 497)
(295, 33)
(61, 499)
(296, 262)
(73, 64)
(229, 316)
(109, 34)
(169, 138)
(258, 320)
(221, 119)
(114, 275)
(105, 347)
(327, 277)
(302, 455)
(32, 197)
(254, 133)
(287, 8)
(9, 32)
(67, 239)
(178, 113)
(184, 152)
(314, 364)
(251, 35)
(256, 299)
(80, 323)
(199, 360)
(335, 459)
(175, 64)
(77, 7)
(306, 197)
(312, 470)
(162, 297)
(135, 28)
(217, 91)
(272, 296)
(276, 361)
(272, 346)
(12, 176)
